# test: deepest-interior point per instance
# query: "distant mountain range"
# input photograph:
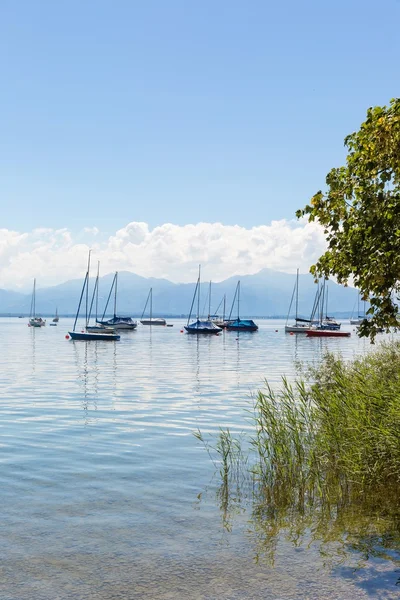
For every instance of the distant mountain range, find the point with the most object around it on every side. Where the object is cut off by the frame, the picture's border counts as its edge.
(267, 293)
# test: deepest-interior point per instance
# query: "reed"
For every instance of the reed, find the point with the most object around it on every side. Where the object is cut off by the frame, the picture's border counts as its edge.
(340, 424)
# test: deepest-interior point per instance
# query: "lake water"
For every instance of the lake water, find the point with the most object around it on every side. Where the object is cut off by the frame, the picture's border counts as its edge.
(106, 493)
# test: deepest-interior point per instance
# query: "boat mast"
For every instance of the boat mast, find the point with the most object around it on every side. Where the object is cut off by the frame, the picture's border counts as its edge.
(109, 296)
(194, 298)
(291, 303)
(326, 311)
(85, 283)
(321, 306)
(223, 314)
(94, 295)
(34, 298)
(297, 294)
(151, 304)
(209, 302)
(147, 301)
(198, 297)
(87, 289)
(97, 289)
(238, 299)
(115, 294)
(233, 301)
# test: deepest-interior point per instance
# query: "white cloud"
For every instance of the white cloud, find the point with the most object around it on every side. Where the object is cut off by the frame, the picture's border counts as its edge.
(92, 230)
(170, 251)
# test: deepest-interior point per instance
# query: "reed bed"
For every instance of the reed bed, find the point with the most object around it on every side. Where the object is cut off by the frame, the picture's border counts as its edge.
(323, 462)
(341, 423)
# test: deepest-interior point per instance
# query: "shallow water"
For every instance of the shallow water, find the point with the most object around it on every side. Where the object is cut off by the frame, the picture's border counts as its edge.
(106, 493)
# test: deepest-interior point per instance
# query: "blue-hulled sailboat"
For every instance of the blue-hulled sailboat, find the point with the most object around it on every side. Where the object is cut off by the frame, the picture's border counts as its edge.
(239, 324)
(116, 322)
(86, 335)
(200, 327)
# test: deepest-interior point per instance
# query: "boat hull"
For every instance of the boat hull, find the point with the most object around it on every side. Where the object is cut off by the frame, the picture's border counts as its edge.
(119, 324)
(100, 329)
(202, 331)
(327, 333)
(153, 322)
(86, 336)
(296, 329)
(242, 325)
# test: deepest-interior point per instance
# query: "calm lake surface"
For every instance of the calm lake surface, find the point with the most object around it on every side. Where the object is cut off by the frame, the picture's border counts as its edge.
(105, 491)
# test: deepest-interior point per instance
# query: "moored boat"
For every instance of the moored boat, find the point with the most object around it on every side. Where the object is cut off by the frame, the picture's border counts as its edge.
(239, 324)
(126, 323)
(200, 327)
(300, 325)
(90, 336)
(35, 321)
(87, 335)
(151, 320)
(327, 333)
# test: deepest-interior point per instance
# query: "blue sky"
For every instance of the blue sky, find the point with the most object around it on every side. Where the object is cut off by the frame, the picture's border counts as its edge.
(179, 111)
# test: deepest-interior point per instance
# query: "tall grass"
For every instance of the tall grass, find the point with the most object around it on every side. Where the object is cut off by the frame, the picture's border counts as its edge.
(342, 424)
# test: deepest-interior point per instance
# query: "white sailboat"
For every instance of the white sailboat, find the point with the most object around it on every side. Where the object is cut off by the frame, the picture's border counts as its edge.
(151, 320)
(299, 325)
(35, 321)
(360, 318)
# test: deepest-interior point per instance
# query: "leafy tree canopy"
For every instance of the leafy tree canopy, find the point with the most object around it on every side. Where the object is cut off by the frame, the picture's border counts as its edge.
(360, 213)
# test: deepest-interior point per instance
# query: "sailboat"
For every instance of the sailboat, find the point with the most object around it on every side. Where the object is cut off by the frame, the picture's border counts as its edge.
(96, 328)
(215, 318)
(300, 325)
(327, 326)
(327, 322)
(116, 322)
(151, 321)
(89, 335)
(199, 327)
(35, 321)
(360, 318)
(239, 324)
(56, 317)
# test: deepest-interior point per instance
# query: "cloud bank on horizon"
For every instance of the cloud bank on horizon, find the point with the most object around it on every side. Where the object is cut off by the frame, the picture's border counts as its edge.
(170, 251)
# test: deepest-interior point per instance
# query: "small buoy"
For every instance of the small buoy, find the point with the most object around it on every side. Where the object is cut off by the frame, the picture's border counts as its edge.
(291, 333)
(82, 331)
(276, 331)
(181, 330)
(67, 337)
(237, 339)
